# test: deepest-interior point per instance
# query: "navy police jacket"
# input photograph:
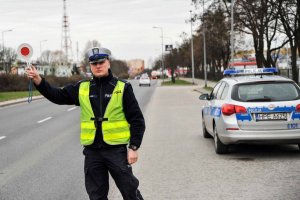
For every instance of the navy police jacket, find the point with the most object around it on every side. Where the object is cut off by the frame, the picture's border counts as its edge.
(100, 93)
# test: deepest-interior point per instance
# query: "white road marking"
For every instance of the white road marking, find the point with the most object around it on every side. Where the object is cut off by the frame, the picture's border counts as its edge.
(2, 137)
(71, 109)
(43, 120)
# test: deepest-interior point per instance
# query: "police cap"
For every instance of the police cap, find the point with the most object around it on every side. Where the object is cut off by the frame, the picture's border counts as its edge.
(98, 54)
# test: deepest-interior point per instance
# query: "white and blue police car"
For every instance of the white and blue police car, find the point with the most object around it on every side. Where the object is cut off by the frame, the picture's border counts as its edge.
(252, 106)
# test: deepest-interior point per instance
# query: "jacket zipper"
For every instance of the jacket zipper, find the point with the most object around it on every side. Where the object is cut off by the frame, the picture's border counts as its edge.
(100, 96)
(100, 107)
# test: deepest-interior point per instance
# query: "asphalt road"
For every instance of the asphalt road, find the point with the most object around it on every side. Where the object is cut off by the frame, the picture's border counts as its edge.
(40, 153)
(44, 160)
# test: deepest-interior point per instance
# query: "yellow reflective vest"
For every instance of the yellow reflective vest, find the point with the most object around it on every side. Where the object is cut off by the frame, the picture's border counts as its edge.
(116, 129)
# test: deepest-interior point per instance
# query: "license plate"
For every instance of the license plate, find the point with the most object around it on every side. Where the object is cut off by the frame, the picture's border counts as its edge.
(270, 116)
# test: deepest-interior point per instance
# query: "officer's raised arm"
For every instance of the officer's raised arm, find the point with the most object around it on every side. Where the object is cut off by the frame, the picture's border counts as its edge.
(62, 96)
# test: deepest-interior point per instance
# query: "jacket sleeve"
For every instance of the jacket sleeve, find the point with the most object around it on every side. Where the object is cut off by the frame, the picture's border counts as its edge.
(134, 116)
(67, 95)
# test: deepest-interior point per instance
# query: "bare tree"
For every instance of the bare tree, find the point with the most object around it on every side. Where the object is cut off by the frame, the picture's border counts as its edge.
(289, 14)
(216, 26)
(11, 57)
(46, 57)
(213, 22)
(257, 19)
(8, 57)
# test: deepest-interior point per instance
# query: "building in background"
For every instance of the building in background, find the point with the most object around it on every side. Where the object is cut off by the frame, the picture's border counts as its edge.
(136, 66)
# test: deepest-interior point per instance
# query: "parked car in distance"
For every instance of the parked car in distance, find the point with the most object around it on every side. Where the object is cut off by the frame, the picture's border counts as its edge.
(144, 80)
(252, 106)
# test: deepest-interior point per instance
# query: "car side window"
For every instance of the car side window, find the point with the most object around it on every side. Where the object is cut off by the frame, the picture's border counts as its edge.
(220, 90)
(225, 91)
(215, 90)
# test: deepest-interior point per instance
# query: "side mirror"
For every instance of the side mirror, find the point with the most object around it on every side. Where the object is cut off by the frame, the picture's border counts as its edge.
(204, 96)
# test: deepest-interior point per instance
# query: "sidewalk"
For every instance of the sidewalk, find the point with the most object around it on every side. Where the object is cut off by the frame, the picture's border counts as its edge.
(200, 83)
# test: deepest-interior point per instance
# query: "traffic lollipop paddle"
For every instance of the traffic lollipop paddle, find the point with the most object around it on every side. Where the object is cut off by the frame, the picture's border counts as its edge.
(24, 53)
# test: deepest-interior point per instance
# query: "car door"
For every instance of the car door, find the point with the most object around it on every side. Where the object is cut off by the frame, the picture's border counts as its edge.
(211, 108)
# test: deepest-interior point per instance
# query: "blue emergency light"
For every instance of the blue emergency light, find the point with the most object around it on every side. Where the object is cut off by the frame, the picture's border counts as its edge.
(257, 71)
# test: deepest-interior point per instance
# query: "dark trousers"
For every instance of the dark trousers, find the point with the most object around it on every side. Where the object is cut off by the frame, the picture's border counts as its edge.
(97, 164)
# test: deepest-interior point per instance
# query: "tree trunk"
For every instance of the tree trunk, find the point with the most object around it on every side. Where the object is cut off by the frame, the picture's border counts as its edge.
(294, 63)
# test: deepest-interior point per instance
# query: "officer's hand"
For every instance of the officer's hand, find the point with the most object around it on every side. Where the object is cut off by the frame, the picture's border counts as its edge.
(132, 156)
(33, 74)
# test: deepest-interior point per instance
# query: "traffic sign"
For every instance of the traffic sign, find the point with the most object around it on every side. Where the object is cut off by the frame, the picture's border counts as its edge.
(25, 52)
(168, 47)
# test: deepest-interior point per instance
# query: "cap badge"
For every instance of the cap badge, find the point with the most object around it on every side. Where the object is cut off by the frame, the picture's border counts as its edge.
(95, 51)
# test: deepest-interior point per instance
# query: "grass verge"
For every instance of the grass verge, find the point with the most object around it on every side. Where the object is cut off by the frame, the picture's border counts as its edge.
(177, 82)
(5, 96)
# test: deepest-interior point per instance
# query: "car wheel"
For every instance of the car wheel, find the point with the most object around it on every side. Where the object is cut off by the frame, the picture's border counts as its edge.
(204, 131)
(149, 85)
(220, 148)
(299, 146)
(140, 85)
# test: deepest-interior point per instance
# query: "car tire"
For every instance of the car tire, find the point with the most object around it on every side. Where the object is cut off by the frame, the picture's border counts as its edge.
(140, 85)
(299, 146)
(220, 148)
(204, 131)
(149, 85)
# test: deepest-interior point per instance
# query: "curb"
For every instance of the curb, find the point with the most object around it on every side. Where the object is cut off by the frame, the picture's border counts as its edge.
(16, 101)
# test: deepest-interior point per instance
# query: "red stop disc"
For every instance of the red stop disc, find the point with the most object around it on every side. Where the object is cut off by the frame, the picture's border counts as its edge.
(25, 51)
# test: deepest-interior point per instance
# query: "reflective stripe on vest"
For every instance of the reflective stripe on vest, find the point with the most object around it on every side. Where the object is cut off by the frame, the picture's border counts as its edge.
(116, 130)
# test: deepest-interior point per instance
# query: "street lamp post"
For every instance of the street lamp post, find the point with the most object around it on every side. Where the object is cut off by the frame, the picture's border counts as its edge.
(41, 47)
(3, 57)
(162, 50)
(204, 55)
(169, 39)
(192, 49)
(231, 35)
(204, 51)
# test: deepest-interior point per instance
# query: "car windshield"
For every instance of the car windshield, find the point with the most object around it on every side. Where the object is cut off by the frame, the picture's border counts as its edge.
(265, 91)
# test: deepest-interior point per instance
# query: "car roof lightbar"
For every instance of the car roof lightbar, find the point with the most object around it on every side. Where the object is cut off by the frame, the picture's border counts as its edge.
(257, 71)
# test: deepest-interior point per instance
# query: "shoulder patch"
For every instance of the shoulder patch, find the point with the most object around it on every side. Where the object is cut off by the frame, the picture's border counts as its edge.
(123, 80)
(83, 80)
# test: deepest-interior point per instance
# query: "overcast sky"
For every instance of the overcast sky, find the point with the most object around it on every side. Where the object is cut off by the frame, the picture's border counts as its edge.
(125, 27)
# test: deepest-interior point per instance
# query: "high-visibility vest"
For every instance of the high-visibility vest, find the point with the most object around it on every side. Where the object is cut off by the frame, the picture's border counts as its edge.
(116, 129)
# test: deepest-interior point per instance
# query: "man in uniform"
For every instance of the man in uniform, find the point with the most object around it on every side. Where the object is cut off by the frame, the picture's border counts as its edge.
(111, 120)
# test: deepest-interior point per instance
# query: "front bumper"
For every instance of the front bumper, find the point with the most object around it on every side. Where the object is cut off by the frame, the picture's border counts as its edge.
(144, 83)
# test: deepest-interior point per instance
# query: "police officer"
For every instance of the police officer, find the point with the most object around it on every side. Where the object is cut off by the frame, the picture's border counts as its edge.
(111, 120)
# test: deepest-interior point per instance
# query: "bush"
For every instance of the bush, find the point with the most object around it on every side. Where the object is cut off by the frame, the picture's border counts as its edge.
(13, 83)
(9, 82)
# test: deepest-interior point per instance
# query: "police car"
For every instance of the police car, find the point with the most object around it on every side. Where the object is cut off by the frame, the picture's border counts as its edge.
(252, 106)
